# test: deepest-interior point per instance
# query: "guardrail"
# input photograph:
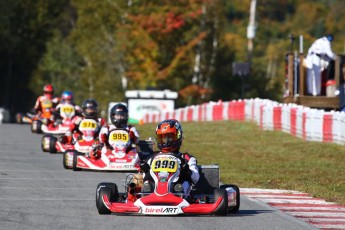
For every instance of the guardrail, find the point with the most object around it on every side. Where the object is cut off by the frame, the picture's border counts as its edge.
(299, 121)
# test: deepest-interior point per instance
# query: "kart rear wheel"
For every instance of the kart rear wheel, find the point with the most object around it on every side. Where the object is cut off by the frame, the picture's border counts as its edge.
(34, 126)
(234, 209)
(75, 161)
(114, 195)
(222, 209)
(102, 209)
(19, 118)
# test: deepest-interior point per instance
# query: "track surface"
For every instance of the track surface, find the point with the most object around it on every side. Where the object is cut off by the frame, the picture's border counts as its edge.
(36, 192)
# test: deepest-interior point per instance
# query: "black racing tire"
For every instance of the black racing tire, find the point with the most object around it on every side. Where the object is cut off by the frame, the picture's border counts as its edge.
(233, 210)
(39, 126)
(52, 144)
(43, 142)
(114, 196)
(19, 118)
(75, 159)
(64, 158)
(102, 209)
(222, 209)
(34, 126)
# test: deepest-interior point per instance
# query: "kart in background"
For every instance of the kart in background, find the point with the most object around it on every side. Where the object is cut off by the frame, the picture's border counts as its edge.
(121, 155)
(49, 125)
(81, 142)
(26, 118)
(207, 197)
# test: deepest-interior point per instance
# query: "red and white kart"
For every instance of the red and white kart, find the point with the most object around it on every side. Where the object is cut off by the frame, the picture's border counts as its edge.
(67, 113)
(81, 143)
(207, 198)
(117, 158)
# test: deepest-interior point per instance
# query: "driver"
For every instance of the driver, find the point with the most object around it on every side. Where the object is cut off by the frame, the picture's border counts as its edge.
(169, 136)
(46, 103)
(89, 111)
(119, 119)
(66, 98)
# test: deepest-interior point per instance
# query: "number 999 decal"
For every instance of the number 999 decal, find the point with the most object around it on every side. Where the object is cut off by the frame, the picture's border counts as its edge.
(168, 165)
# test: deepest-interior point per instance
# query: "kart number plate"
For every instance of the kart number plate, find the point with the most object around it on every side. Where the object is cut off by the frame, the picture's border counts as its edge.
(164, 164)
(119, 136)
(67, 109)
(88, 124)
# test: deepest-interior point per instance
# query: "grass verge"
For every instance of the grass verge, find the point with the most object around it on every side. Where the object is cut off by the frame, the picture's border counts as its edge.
(251, 157)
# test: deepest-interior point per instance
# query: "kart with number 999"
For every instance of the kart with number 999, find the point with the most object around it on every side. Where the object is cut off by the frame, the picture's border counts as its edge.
(167, 198)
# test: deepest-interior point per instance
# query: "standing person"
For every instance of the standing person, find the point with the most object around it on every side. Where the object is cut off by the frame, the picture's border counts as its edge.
(319, 55)
(119, 119)
(169, 136)
(46, 103)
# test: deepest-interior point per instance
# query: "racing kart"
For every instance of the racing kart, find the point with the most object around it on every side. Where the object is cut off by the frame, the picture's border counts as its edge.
(117, 158)
(59, 126)
(206, 198)
(81, 142)
(26, 118)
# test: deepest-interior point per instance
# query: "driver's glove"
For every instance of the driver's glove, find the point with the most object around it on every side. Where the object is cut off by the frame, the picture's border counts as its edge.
(145, 167)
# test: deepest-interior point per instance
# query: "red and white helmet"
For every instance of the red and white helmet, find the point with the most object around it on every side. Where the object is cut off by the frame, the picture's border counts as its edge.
(49, 89)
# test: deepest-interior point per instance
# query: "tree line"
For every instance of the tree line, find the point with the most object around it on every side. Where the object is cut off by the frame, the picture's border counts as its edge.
(99, 49)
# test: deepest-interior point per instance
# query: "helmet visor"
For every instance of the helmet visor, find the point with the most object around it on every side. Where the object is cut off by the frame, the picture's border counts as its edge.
(119, 115)
(90, 110)
(166, 138)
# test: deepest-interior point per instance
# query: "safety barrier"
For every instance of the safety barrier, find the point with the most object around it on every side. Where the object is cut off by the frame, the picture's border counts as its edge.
(296, 120)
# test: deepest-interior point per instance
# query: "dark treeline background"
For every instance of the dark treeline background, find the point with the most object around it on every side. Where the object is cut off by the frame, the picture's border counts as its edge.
(101, 48)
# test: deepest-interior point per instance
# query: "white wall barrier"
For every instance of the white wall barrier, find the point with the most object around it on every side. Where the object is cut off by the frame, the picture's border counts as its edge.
(302, 122)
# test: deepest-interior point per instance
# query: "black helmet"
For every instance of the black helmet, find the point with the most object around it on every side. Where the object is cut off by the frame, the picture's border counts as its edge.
(119, 115)
(90, 108)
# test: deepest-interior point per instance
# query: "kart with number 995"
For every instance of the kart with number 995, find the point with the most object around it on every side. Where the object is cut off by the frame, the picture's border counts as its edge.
(121, 155)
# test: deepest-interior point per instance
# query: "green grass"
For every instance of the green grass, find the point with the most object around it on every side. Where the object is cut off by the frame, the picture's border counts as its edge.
(251, 157)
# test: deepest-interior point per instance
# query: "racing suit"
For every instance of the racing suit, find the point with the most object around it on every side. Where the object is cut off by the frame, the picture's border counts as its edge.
(74, 128)
(104, 135)
(189, 174)
(45, 105)
(57, 113)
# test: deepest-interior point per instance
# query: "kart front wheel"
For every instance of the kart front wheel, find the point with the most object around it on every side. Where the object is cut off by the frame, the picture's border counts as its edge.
(39, 126)
(45, 143)
(67, 159)
(75, 161)
(222, 209)
(102, 209)
(52, 144)
(114, 193)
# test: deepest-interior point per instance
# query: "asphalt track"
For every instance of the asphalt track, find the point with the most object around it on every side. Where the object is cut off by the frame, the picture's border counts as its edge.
(36, 192)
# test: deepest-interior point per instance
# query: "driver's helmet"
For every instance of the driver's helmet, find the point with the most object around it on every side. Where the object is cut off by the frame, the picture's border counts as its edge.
(67, 97)
(48, 90)
(89, 108)
(169, 135)
(119, 115)
(330, 37)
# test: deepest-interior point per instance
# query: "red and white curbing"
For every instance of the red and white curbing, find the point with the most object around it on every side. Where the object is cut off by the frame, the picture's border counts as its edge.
(315, 211)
